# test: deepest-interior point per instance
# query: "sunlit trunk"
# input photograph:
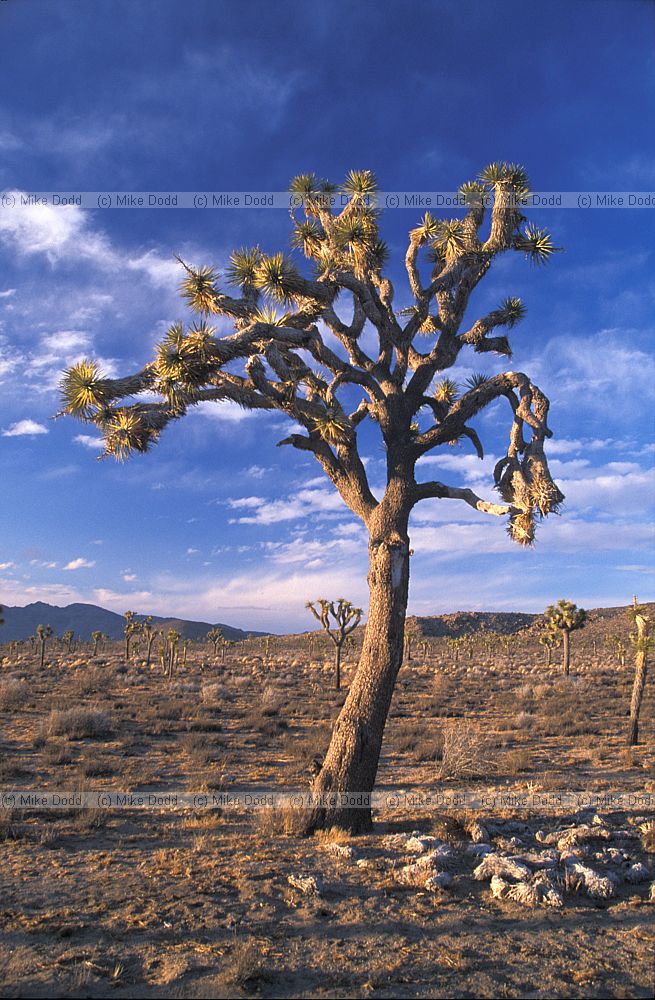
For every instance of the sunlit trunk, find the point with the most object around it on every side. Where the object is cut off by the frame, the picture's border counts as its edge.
(351, 762)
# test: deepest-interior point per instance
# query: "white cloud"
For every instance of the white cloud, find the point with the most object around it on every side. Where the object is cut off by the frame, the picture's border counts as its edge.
(25, 427)
(80, 563)
(129, 577)
(56, 231)
(8, 292)
(119, 602)
(566, 446)
(304, 503)
(89, 441)
(226, 411)
(64, 232)
(584, 373)
(7, 565)
(162, 271)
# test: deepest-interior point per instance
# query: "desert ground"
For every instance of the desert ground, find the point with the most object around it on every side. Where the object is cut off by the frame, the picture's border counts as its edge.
(498, 901)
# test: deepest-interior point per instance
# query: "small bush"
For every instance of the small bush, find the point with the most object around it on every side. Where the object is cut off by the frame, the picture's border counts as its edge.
(79, 723)
(245, 963)
(13, 693)
(285, 821)
(466, 753)
(214, 693)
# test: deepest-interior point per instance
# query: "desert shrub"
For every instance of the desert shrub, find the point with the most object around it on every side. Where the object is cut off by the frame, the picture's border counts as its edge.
(214, 693)
(467, 753)
(78, 723)
(13, 693)
(91, 680)
(516, 761)
(244, 963)
(283, 820)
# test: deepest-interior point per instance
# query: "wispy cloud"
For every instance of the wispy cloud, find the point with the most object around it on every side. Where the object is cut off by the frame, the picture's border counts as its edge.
(80, 563)
(21, 428)
(90, 442)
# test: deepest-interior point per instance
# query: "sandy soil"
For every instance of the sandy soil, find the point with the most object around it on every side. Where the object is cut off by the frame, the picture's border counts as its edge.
(198, 903)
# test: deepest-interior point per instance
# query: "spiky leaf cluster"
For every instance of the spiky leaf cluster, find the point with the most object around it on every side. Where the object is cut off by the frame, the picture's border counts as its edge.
(84, 391)
(446, 391)
(332, 424)
(565, 616)
(183, 360)
(242, 268)
(199, 288)
(537, 244)
(125, 432)
(277, 277)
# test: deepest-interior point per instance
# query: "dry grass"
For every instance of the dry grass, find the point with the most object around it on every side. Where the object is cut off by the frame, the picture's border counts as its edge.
(78, 723)
(169, 903)
(14, 692)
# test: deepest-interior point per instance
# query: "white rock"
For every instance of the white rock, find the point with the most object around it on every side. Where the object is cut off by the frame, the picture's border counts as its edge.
(419, 844)
(496, 864)
(440, 880)
(637, 873)
(479, 850)
(340, 851)
(309, 885)
(478, 833)
(596, 886)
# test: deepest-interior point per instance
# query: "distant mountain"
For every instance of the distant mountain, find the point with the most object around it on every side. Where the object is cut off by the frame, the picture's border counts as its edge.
(83, 619)
(465, 622)
(507, 622)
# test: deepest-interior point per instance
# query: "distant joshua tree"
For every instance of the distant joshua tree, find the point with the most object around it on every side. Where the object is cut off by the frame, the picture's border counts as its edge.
(68, 637)
(169, 651)
(216, 638)
(130, 629)
(643, 643)
(412, 634)
(619, 647)
(281, 361)
(550, 639)
(96, 637)
(339, 618)
(565, 617)
(42, 635)
(148, 632)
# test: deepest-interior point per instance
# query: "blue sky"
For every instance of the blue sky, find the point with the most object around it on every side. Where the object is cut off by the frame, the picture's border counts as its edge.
(216, 523)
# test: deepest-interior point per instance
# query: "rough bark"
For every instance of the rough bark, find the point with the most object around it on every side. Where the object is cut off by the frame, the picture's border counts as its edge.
(567, 652)
(637, 695)
(351, 763)
(337, 668)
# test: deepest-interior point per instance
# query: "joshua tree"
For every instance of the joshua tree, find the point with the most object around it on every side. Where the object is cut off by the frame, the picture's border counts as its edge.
(619, 646)
(216, 637)
(68, 637)
(345, 618)
(43, 634)
(412, 632)
(96, 636)
(280, 361)
(169, 651)
(565, 617)
(146, 629)
(550, 639)
(130, 629)
(642, 642)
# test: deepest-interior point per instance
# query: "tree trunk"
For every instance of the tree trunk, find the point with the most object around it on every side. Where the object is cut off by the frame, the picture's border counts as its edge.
(637, 695)
(337, 667)
(567, 652)
(351, 763)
